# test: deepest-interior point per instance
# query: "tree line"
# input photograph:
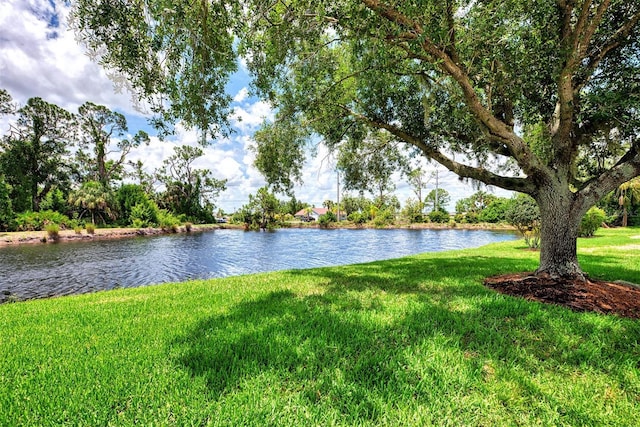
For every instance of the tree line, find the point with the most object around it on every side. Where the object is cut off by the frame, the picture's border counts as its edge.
(265, 210)
(70, 169)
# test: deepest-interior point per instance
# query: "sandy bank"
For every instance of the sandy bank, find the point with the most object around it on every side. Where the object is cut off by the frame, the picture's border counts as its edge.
(27, 237)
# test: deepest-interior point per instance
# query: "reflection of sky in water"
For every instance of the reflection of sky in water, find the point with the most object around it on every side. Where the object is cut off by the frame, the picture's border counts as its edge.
(29, 271)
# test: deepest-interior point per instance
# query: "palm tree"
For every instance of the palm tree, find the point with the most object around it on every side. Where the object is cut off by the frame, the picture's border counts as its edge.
(94, 198)
(628, 193)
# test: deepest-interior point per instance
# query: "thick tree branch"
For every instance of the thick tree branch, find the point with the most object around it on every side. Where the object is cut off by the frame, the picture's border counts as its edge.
(565, 9)
(575, 37)
(585, 37)
(494, 147)
(496, 128)
(597, 54)
(523, 185)
(627, 168)
(575, 43)
(451, 48)
(581, 24)
(562, 121)
(393, 15)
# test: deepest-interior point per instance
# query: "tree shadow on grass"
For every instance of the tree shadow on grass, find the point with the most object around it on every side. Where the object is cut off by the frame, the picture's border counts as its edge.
(415, 274)
(609, 268)
(352, 349)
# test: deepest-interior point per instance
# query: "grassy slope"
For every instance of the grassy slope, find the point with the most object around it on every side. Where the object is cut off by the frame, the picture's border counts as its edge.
(412, 341)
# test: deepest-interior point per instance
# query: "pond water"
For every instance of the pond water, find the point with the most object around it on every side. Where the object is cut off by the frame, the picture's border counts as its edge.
(37, 271)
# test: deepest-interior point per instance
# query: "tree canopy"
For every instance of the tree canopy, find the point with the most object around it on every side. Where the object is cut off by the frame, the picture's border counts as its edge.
(515, 94)
(31, 153)
(188, 190)
(438, 199)
(97, 125)
(6, 102)
(369, 164)
(176, 55)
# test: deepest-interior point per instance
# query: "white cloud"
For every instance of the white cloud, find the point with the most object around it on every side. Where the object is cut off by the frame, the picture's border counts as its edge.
(186, 136)
(153, 154)
(39, 56)
(241, 95)
(247, 118)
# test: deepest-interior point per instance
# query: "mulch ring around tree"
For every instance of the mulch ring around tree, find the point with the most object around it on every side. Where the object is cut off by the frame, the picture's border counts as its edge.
(619, 298)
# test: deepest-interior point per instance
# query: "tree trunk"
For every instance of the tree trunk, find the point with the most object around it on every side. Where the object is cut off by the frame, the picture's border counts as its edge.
(101, 158)
(560, 218)
(35, 205)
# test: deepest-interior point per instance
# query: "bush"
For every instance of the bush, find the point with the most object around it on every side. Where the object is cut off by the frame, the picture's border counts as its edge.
(128, 196)
(168, 221)
(439, 216)
(413, 211)
(90, 227)
(327, 219)
(53, 231)
(532, 237)
(247, 216)
(145, 214)
(55, 200)
(6, 208)
(524, 214)
(495, 212)
(357, 218)
(384, 217)
(591, 221)
(287, 218)
(37, 221)
(471, 218)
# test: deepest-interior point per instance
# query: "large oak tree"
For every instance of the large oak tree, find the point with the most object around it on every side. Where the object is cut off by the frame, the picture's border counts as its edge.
(512, 93)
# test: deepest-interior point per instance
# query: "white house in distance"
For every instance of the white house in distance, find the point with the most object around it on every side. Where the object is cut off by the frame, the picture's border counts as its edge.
(310, 214)
(313, 214)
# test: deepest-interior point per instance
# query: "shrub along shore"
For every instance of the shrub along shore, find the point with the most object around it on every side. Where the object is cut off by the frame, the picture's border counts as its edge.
(410, 341)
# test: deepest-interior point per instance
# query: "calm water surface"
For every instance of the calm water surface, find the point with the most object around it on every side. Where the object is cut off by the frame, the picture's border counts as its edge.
(36, 271)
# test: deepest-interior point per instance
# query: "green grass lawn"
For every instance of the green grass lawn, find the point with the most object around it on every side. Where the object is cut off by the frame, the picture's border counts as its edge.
(411, 341)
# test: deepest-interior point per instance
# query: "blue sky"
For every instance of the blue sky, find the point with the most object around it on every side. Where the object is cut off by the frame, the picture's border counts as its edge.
(40, 57)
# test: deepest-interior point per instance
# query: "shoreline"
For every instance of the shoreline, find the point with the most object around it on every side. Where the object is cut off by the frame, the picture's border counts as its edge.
(41, 237)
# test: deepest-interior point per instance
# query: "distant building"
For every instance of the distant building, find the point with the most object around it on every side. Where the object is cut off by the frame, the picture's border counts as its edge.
(312, 214)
